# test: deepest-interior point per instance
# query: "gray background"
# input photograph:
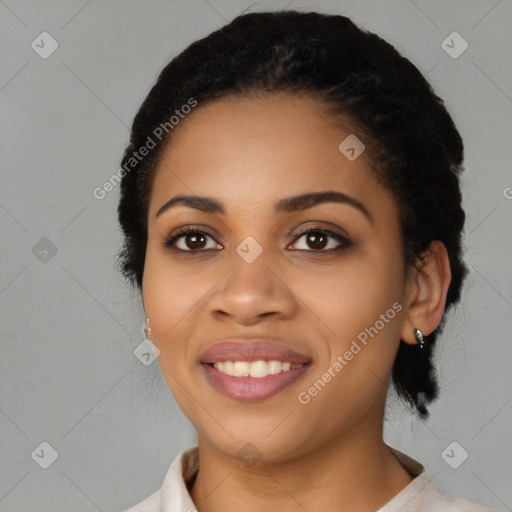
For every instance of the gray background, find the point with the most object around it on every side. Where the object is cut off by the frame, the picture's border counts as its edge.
(70, 324)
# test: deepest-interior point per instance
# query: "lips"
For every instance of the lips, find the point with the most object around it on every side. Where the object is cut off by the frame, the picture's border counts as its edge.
(252, 350)
(248, 388)
(252, 389)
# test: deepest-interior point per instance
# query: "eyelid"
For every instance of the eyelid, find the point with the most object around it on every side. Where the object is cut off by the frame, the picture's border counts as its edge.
(319, 225)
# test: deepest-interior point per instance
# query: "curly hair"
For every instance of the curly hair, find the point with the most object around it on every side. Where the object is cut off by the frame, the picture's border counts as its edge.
(416, 150)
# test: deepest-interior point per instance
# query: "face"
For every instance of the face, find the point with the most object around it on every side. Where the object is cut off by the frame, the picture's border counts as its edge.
(253, 272)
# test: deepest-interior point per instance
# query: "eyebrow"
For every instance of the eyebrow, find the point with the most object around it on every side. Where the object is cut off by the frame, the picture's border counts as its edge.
(287, 204)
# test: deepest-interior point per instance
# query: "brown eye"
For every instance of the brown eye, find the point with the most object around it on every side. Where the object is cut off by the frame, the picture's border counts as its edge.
(190, 240)
(316, 240)
(195, 240)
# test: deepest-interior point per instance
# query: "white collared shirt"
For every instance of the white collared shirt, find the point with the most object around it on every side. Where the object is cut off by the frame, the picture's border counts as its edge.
(420, 495)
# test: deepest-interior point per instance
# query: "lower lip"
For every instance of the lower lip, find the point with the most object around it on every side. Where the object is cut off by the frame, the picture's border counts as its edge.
(252, 389)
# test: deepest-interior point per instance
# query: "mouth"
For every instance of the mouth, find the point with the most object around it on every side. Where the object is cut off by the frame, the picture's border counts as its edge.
(248, 387)
(251, 370)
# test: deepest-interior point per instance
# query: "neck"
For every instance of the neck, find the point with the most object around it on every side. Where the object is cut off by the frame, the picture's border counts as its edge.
(356, 471)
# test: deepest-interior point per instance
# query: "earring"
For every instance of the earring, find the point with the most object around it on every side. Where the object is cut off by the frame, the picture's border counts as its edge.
(420, 339)
(147, 329)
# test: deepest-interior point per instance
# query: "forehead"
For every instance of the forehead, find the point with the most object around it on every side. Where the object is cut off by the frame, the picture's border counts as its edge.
(250, 152)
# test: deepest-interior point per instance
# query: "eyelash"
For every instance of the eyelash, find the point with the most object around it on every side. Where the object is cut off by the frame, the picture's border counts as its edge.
(344, 242)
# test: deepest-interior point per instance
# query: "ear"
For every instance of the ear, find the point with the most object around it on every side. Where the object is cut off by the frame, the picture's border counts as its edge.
(426, 292)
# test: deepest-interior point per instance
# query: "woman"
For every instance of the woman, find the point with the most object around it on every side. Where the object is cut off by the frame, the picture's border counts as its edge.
(292, 216)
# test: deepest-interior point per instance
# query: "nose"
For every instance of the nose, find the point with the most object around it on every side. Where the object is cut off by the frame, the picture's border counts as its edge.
(251, 292)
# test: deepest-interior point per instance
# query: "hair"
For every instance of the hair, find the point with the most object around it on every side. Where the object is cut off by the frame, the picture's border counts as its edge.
(415, 148)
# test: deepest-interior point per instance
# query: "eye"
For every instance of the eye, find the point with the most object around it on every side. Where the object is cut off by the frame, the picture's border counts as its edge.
(190, 239)
(317, 239)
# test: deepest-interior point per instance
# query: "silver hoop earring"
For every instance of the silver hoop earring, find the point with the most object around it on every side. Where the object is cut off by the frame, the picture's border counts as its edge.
(420, 339)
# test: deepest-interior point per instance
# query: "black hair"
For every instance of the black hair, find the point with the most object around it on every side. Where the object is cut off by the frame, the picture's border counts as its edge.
(416, 150)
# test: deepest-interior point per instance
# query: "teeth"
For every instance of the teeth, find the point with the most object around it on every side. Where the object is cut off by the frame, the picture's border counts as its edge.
(256, 369)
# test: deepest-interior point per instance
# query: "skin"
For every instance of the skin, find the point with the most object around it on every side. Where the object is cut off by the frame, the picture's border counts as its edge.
(248, 154)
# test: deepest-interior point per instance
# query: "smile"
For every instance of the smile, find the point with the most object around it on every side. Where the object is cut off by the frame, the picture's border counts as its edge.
(253, 381)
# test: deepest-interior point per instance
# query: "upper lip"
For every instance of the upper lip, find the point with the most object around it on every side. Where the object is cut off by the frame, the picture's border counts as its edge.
(253, 349)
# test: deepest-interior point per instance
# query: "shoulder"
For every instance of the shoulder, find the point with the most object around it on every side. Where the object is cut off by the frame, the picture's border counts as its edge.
(435, 502)
(173, 495)
(421, 495)
(149, 504)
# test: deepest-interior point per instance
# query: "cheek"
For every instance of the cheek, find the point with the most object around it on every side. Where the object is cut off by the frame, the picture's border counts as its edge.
(171, 298)
(172, 290)
(360, 305)
(351, 297)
